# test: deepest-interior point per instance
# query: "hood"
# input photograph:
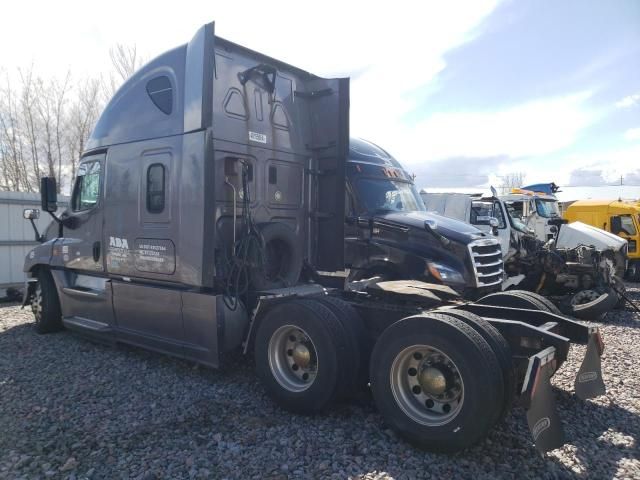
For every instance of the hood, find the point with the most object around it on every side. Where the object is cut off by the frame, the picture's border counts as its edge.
(448, 227)
(578, 233)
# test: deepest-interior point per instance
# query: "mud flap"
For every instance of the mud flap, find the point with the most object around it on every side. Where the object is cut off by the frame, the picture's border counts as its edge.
(589, 381)
(29, 291)
(542, 416)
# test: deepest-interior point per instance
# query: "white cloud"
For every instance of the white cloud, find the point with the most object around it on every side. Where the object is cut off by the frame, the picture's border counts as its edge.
(629, 101)
(612, 163)
(632, 134)
(534, 128)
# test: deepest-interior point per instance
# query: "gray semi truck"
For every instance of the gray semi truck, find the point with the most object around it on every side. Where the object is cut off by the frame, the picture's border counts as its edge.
(210, 196)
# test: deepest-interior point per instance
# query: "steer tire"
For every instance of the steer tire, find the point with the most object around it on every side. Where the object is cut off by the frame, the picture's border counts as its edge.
(513, 299)
(45, 305)
(502, 350)
(282, 257)
(357, 345)
(595, 309)
(633, 271)
(327, 335)
(480, 375)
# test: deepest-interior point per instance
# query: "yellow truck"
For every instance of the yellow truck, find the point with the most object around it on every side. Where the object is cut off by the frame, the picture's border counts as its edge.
(615, 216)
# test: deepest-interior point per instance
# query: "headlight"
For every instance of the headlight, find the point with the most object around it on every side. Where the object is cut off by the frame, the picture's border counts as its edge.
(444, 274)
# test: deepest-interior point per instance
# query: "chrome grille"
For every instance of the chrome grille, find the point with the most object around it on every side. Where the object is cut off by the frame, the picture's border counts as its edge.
(486, 258)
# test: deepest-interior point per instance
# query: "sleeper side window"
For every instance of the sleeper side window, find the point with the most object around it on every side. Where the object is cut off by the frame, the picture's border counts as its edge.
(86, 189)
(155, 188)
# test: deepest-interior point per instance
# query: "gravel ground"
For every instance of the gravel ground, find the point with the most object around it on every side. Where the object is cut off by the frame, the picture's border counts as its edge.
(70, 408)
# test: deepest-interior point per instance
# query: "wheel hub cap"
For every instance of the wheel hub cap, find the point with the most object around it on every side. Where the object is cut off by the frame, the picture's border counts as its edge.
(293, 359)
(427, 385)
(301, 355)
(432, 381)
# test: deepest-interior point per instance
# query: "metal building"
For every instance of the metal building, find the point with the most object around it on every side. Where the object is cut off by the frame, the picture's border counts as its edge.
(16, 235)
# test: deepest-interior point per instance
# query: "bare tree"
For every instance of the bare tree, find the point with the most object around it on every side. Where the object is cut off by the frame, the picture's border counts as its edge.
(12, 162)
(60, 91)
(512, 180)
(29, 112)
(82, 117)
(125, 60)
(45, 122)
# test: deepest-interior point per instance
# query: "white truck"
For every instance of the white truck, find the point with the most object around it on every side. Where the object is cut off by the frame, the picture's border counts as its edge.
(576, 265)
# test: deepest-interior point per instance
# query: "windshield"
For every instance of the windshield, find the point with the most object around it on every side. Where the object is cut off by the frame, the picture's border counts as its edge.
(547, 208)
(516, 219)
(385, 195)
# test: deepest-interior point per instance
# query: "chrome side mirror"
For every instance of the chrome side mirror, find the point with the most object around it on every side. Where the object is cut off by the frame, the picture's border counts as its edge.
(31, 214)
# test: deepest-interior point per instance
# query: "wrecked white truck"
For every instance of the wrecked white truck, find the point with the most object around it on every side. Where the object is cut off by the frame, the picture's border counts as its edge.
(581, 279)
(209, 198)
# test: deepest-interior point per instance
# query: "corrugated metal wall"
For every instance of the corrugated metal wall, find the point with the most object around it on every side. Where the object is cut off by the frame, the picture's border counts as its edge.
(16, 234)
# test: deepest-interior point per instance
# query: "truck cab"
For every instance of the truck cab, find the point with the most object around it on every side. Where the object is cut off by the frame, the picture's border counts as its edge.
(535, 209)
(616, 217)
(389, 233)
(210, 161)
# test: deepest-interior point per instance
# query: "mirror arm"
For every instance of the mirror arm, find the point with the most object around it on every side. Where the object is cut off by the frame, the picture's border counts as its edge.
(39, 238)
(56, 219)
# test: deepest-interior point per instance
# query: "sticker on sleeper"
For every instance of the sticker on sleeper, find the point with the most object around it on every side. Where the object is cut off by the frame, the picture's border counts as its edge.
(257, 137)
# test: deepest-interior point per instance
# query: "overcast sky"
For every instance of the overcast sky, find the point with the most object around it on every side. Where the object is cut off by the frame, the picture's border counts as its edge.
(459, 92)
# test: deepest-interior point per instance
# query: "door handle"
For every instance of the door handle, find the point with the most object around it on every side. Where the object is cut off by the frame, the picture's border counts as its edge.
(96, 251)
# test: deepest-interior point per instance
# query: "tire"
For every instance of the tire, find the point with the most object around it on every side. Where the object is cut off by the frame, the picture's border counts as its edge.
(633, 271)
(513, 299)
(595, 309)
(326, 345)
(500, 348)
(472, 411)
(548, 304)
(283, 259)
(357, 342)
(45, 305)
(620, 287)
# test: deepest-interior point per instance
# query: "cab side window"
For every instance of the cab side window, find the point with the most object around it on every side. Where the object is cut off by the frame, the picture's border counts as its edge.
(86, 190)
(623, 224)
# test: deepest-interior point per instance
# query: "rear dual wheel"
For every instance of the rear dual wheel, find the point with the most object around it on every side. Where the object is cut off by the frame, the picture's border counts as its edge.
(307, 353)
(436, 381)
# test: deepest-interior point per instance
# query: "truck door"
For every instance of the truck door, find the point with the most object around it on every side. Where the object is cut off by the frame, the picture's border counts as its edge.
(625, 226)
(140, 254)
(504, 228)
(85, 292)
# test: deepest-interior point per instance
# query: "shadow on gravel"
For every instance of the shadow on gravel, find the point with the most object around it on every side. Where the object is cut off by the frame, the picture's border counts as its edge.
(601, 434)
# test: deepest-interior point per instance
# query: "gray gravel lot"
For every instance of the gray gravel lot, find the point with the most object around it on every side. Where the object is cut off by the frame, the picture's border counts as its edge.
(70, 408)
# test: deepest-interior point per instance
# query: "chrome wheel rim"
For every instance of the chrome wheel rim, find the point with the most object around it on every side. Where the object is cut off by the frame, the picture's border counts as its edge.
(293, 358)
(584, 296)
(427, 385)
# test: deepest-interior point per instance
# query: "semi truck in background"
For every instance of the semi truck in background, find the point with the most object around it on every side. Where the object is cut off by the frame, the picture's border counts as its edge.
(390, 234)
(208, 203)
(537, 208)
